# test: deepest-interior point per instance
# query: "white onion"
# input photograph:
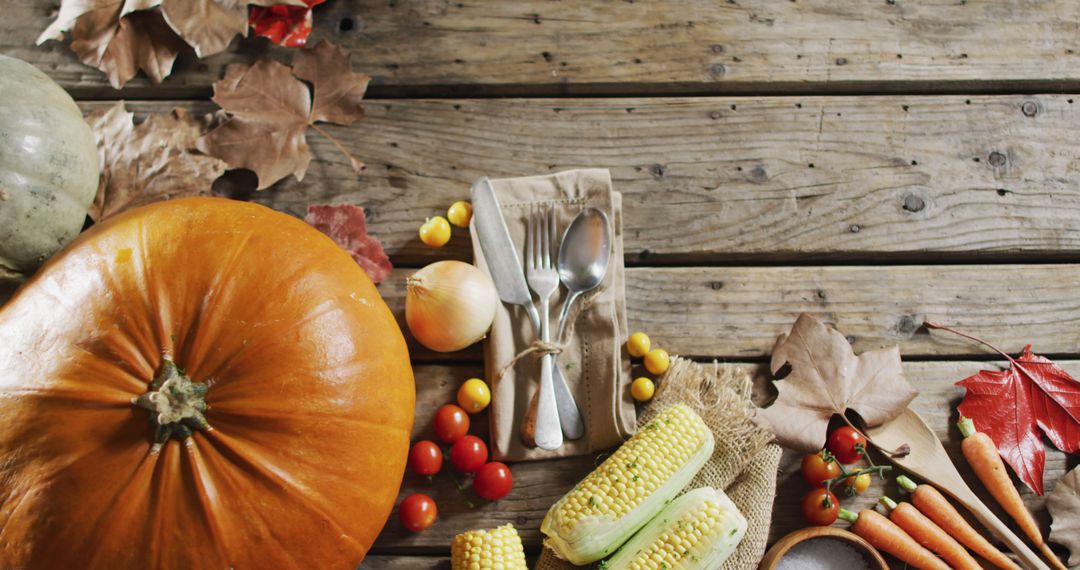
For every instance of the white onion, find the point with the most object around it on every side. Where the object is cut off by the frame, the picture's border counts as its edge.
(449, 305)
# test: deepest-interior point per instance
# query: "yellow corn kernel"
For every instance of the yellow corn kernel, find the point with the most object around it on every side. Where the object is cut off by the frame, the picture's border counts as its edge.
(496, 549)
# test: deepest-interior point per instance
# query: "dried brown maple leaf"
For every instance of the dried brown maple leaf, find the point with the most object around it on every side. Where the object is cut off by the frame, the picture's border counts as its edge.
(209, 26)
(1064, 506)
(118, 37)
(347, 226)
(155, 160)
(827, 378)
(271, 110)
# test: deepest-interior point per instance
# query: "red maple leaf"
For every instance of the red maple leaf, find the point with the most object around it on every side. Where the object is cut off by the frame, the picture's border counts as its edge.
(284, 24)
(1014, 406)
(347, 226)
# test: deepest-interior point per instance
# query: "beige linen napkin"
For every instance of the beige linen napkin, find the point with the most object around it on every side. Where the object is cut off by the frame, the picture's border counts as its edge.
(593, 361)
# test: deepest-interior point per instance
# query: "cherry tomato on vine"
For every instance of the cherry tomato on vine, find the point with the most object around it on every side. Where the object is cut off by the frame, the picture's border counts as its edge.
(469, 454)
(417, 512)
(857, 483)
(451, 423)
(846, 444)
(425, 458)
(820, 507)
(493, 481)
(816, 469)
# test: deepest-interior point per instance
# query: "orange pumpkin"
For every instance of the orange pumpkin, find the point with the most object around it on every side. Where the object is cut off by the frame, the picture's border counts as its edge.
(286, 417)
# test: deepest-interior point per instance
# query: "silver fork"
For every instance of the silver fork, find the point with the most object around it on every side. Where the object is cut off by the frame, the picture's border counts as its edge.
(544, 281)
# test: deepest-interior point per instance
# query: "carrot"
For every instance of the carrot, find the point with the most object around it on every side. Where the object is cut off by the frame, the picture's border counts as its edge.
(883, 534)
(928, 534)
(983, 456)
(937, 508)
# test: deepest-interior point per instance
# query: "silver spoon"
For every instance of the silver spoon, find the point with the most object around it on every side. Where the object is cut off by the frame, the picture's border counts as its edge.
(584, 255)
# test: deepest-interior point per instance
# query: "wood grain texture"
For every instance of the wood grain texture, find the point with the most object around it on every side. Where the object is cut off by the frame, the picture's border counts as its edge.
(705, 180)
(737, 312)
(397, 562)
(537, 485)
(594, 46)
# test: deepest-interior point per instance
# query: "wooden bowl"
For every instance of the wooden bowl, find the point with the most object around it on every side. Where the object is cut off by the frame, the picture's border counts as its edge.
(782, 546)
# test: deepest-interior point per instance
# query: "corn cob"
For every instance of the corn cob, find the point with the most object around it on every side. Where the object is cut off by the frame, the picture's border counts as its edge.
(697, 531)
(629, 488)
(495, 549)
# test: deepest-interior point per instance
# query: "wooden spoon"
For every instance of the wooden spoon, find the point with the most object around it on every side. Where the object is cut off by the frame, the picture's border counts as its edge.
(929, 461)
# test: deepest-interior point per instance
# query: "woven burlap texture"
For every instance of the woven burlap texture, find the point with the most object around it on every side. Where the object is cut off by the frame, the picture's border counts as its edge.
(744, 462)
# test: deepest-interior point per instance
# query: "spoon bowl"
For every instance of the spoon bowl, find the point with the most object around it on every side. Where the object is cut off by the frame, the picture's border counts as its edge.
(584, 256)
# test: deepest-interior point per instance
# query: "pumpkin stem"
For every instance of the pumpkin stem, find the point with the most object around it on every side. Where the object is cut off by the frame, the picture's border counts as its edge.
(176, 404)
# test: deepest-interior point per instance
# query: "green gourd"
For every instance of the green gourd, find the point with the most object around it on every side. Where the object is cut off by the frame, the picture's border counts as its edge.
(49, 168)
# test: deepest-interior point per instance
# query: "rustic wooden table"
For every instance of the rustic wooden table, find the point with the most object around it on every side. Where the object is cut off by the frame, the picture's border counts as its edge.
(871, 163)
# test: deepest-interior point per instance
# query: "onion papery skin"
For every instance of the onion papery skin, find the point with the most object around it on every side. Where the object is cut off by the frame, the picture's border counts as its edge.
(449, 305)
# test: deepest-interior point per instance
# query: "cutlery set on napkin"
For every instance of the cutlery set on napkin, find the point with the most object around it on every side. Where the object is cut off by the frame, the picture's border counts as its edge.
(559, 385)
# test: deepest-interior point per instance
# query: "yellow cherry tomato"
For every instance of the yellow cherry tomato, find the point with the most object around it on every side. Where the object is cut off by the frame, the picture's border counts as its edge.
(435, 232)
(642, 389)
(459, 214)
(638, 344)
(858, 483)
(657, 361)
(474, 395)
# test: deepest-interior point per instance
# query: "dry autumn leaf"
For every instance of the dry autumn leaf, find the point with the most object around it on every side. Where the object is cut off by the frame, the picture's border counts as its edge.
(827, 378)
(209, 26)
(118, 37)
(1064, 506)
(347, 226)
(155, 160)
(271, 110)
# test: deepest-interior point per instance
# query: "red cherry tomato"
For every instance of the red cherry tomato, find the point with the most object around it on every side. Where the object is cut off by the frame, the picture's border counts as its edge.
(451, 423)
(846, 444)
(417, 512)
(469, 454)
(815, 509)
(493, 481)
(816, 469)
(425, 458)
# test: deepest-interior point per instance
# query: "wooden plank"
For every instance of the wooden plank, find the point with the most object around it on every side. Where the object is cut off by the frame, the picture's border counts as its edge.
(537, 485)
(591, 47)
(793, 180)
(399, 562)
(737, 312)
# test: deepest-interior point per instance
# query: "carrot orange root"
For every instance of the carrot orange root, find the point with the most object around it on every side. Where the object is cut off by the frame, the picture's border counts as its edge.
(884, 535)
(983, 456)
(937, 508)
(929, 535)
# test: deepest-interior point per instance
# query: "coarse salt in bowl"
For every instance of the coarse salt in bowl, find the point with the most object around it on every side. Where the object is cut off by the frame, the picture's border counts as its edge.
(822, 548)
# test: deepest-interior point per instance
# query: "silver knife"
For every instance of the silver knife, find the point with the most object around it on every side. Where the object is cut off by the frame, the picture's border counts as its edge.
(509, 278)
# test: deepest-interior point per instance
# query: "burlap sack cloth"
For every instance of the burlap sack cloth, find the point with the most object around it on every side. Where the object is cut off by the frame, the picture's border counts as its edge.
(592, 361)
(744, 462)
